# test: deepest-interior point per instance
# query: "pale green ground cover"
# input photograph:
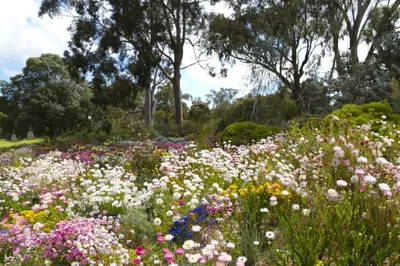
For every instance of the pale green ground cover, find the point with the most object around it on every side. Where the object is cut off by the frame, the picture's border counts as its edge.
(6, 144)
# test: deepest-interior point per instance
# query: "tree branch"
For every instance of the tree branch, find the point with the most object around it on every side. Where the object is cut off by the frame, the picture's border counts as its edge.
(169, 29)
(168, 76)
(195, 63)
(162, 51)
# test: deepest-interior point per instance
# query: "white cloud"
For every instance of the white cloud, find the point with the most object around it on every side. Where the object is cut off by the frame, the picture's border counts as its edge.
(23, 34)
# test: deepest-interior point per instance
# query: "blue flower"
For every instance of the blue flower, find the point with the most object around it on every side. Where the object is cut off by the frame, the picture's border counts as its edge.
(180, 229)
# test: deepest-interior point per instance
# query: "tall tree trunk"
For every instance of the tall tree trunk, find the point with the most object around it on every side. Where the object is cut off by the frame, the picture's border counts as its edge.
(176, 84)
(147, 107)
(296, 86)
(147, 98)
(153, 107)
(335, 25)
(296, 91)
(353, 51)
(337, 57)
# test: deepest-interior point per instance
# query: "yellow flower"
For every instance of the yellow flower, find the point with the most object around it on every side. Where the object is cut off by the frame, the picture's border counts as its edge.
(231, 189)
(319, 263)
(260, 189)
(31, 216)
(244, 192)
(275, 189)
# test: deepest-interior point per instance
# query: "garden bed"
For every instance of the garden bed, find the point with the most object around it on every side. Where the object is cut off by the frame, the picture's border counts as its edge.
(319, 195)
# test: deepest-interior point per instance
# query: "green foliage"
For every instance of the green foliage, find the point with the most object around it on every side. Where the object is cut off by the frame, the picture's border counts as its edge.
(199, 112)
(199, 115)
(136, 223)
(83, 137)
(366, 83)
(362, 114)
(164, 114)
(136, 40)
(143, 161)
(118, 74)
(2, 118)
(373, 114)
(261, 38)
(114, 121)
(46, 98)
(270, 109)
(329, 227)
(246, 132)
(208, 136)
(5, 144)
(222, 97)
(167, 130)
(315, 95)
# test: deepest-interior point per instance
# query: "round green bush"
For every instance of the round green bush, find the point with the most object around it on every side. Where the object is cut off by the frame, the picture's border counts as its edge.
(245, 132)
(362, 113)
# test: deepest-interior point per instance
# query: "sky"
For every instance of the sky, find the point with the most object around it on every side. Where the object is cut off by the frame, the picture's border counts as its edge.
(23, 34)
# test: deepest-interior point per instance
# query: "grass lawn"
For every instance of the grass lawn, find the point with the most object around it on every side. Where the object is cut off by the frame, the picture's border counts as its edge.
(6, 144)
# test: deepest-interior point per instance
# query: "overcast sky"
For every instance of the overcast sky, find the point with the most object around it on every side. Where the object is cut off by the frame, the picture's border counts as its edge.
(23, 34)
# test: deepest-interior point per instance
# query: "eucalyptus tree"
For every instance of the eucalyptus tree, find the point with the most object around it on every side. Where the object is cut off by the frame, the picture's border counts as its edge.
(359, 22)
(362, 76)
(281, 37)
(139, 40)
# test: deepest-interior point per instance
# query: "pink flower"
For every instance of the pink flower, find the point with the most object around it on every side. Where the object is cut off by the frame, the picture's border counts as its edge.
(165, 250)
(137, 261)
(25, 203)
(140, 251)
(168, 256)
(179, 251)
(387, 193)
(160, 239)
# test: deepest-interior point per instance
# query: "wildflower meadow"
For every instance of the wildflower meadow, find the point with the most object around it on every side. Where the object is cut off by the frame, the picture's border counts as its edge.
(324, 194)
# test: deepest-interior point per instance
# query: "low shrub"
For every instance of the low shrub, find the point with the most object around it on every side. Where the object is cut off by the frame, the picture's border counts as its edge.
(246, 132)
(361, 114)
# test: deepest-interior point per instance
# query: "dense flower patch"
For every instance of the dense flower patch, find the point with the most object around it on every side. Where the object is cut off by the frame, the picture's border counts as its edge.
(321, 195)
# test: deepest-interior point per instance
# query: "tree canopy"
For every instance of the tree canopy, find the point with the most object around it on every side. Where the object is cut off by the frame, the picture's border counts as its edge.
(306, 57)
(45, 97)
(132, 40)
